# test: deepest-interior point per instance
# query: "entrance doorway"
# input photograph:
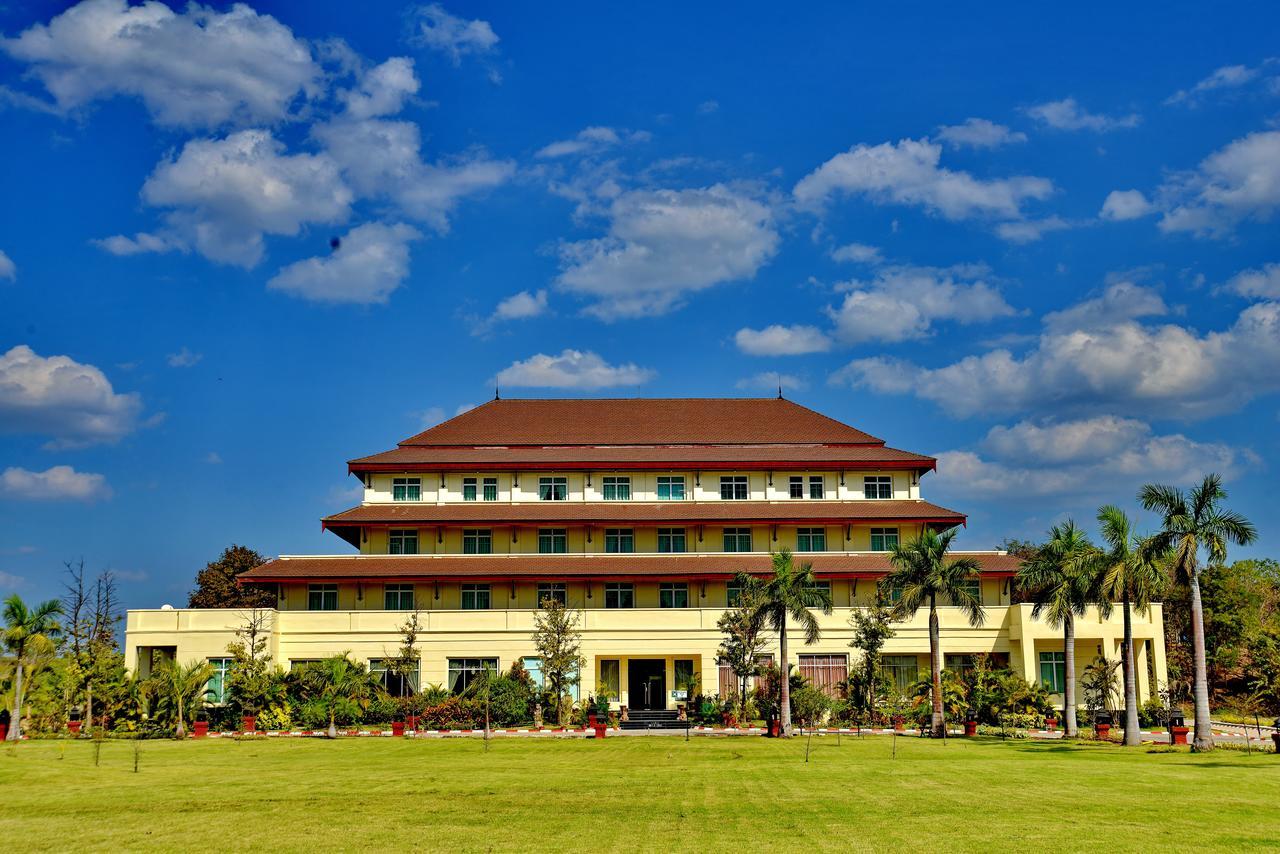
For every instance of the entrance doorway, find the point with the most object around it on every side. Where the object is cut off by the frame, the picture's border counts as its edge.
(647, 683)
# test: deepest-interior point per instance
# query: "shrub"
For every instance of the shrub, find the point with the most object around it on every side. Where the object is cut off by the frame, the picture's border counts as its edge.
(1024, 720)
(276, 717)
(1152, 713)
(453, 713)
(383, 710)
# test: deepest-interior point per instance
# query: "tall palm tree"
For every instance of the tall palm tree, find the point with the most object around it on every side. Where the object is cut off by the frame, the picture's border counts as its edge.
(25, 630)
(340, 684)
(1059, 579)
(180, 690)
(1189, 524)
(922, 573)
(791, 592)
(1128, 575)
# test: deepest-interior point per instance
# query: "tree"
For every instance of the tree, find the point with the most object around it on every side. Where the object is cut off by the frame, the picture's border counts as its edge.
(216, 585)
(180, 690)
(251, 680)
(790, 592)
(922, 573)
(1060, 580)
(341, 687)
(1190, 524)
(558, 642)
(403, 667)
(744, 638)
(91, 613)
(27, 632)
(872, 628)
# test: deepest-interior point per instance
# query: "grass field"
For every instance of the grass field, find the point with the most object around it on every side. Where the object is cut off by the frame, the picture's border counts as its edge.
(711, 794)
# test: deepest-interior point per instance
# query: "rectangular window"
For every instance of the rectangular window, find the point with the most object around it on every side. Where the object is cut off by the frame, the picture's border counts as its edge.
(671, 487)
(737, 539)
(463, 671)
(901, 671)
(733, 594)
(884, 539)
(877, 486)
(397, 597)
(895, 594)
(403, 542)
(811, 539)
(684, 677)
(477, 541)
(553, 488)
(1053, 671)
(468, 489)
(824, 585)
(475, 597)
(619, 595)
(619, 540)
(406, 489)
(617, 489)
(671, 540)
(218, 682)
(397, 684)
(552, 541)
(733, 487)
(611, 677)
(322, 597)
(825, 672)
(817, 486)
(973, 586)
(490, 489)
(552, 590)
(673, 595)
(796, 487)
(533, 665)
(958, 663)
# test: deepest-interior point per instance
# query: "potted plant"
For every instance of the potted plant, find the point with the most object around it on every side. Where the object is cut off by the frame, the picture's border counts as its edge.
(397, 728)
(1102, 726)
(73, 723)
(249, 723)
(971, 724)
(200, 728)
(728, 717)
(1177, 727)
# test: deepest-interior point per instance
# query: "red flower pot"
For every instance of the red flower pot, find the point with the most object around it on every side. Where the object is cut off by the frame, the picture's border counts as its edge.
(591, 718)
(199, 729)
(411, 722)
(1051, 723)
(775, 728)
(970, 728)
(249, 723)
(599, 728)
(729, 719)
(74, 727)
(397, 728)
(4, 731)
(1103, 731)
(1178, 734)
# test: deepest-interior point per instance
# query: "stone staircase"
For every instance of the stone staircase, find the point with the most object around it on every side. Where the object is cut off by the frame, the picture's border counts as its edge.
(653, 719)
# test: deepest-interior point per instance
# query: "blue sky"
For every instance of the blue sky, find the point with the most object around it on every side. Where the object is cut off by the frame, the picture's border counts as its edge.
(1040, 248)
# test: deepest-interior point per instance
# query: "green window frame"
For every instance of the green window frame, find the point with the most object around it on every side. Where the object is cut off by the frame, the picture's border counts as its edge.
(476, 597)
(464, 671)
(216, 690)
(553, 488)
(322, 597)
(553, 541)
(734, 487)
(553, 590)
(959, 663)
(477, 541)
(616, 488)
(901, 671)
(1053, 671)
(619, 595)
(397, 597)
(671, 540)
(974, 586)
(670, 487)
(490, 489)
(737, 539)
(673, 595)
(732, 594)
(811, 539)
(406, 489)
(884, 539)
(795, 486)
(402, 541)
(468, 489)
(817, 486)
(619, 540)
(877, 487)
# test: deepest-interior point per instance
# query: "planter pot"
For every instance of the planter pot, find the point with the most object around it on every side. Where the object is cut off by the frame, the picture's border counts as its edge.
(199, 729)
(74, 727)
(1178, 734)
(898, 725)
(775, 729)
(397, 728)
(1275, 737)
(729, 719)
(591, 718)
(1102, 731)
(4, 731)
(1051, 723)
(599, 728)
(249, 723)
(411, 723)
(970, 728)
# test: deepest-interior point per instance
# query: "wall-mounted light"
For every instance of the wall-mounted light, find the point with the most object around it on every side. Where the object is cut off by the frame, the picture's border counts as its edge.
(513, 590)
(771, 478)
(359, 591)
(775, 533)
(515, 480)
(588, 589)
(439, 535)
(704, 590)
(697, 478)
(588, 533)
(588, 480)
(442, 480)
(700, 533)
(436, 585)
(842, 477)
(848, 533)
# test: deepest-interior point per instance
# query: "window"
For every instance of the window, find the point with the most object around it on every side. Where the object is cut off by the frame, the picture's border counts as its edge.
(553, 488)
(403, 542)
(729, 684)
(397, 684)
(322, 597)
(884, 539)
(296, 664)
(737, 539)
(811, 539)
(463, 671)
(475, 597)
(671, 487)
(619, 595)
(397, 597)
(218, 681)
(552, 541)
(672, 595)
(477, 541)
(619, 540)
(734, 487)
(823, 585)
(1053, 671)
(684, 676)
(825, 672)
(733, 594)
(490, 489)
(611, 677)
(552, 590)
(533, 665)
(973, 586)
(959, 663)
(895, 594)
(878, 486)
(901, 671)
(468, 489)
(671, 539)
(796, 487)
(406, 489)
(817, 486)
(617, 489)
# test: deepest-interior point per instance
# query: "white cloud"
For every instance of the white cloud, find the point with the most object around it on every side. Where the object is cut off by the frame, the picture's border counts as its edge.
(1030, 230)
(9, 581)
(199, 68)
(771, 381)
(1121, 301)
(184, 358)
(1262, 282)
(572, 369)
(1067, 114)
(778, 340)
(453, 36)
(140, 243)
(664, 244)
(591, 140)
(1125, 204)
(521, 306)
(1239, 181)
(58, 483)
(706, 108)
(1226, 77)
(370, 262)
(213, 458)
(381, 90)
(59, 397)
(979, 133)
(907, 173)
(8, 270)
(858, 253)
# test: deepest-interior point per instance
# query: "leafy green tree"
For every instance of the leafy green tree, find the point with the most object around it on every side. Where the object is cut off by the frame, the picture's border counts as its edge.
(180, 691)
(28, 632)
(954, 694)
(1190, 524)
(744, 638)
(923, 572)
(558, 642)
(252, 683)
(872, 628)
(216, 585)
(339, 686)
(1060, 580)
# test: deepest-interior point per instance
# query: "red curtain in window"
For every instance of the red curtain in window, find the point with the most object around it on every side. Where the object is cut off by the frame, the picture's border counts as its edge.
(826, 672)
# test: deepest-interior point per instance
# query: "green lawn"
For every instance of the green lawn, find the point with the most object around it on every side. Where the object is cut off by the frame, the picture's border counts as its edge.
(710, 794)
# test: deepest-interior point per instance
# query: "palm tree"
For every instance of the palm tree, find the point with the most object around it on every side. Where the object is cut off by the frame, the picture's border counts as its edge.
(1189, 524)
(340, 685)
(1128, 574)
(1059, 579)
(922, 572)
(26, 630)
(179, 690)
(791, 592)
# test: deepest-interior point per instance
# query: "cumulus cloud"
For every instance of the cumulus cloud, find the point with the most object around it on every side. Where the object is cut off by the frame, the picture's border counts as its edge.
(858, 253)
(381, 90)
(142, 242)
(1262, 282)
(1030, 230)
(1125, 204)
(59, 483)
(184, 358)
(8, 270)
(1121, 300)
(979, 133)
(455, 37)
(1238, 182)
(1226, 77)
(572, 369)
(522, 305)
(59, 397)
(664, 244)
(591, 140)
(1067, 114)
(198, 68)
(908, 173)
(370, 262)
(778, 340)
(771, 381)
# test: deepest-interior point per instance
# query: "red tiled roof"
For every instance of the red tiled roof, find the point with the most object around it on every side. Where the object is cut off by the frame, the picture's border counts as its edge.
(599, 567)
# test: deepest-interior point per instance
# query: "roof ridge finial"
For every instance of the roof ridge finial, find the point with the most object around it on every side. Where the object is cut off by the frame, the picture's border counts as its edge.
(496, 395)
(779, 391)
